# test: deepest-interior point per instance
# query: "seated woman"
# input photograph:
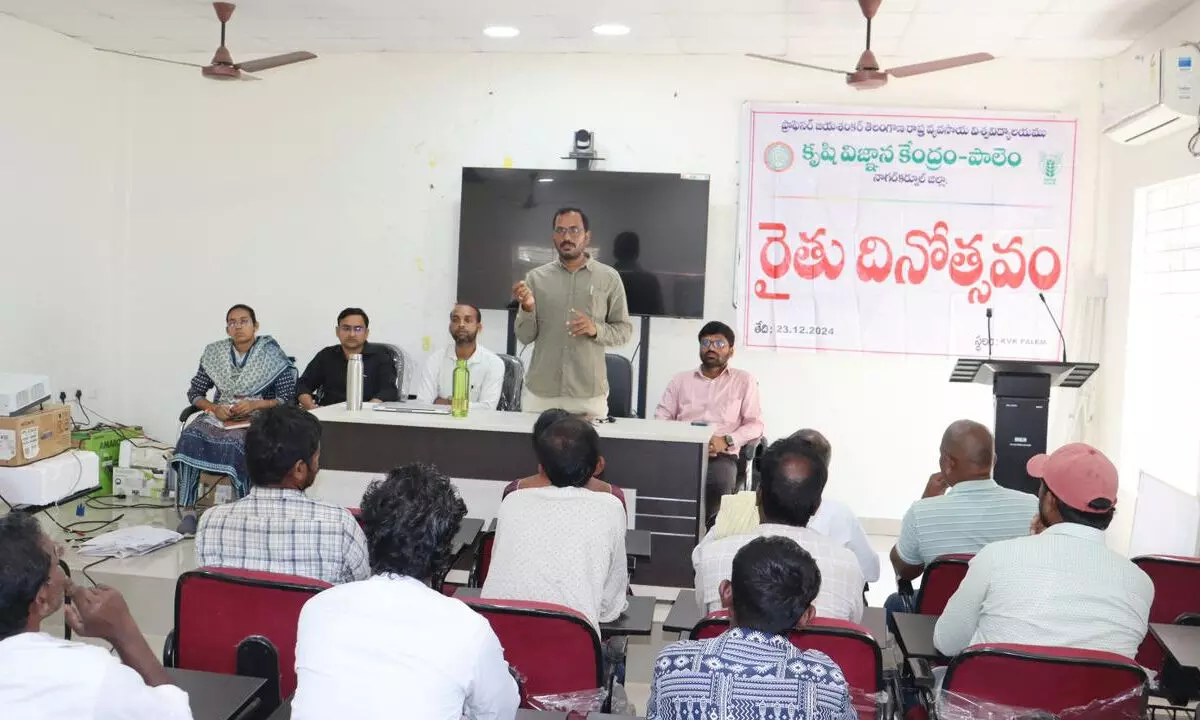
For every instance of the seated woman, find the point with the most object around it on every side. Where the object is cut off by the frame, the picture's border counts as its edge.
(595, 484)
(250, 373)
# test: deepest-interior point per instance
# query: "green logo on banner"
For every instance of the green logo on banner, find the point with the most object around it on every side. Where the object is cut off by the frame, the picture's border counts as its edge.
(1051, 164)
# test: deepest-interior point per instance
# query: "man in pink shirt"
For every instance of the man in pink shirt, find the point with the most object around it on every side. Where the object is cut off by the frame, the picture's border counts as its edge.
(722, 397)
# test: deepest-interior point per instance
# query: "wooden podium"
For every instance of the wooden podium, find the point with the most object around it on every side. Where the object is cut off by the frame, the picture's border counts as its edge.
(1022, 392)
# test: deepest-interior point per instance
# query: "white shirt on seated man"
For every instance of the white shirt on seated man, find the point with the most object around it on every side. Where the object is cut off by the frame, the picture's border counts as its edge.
(392, 646)
(789, 493)
(485, 368)
(46, 678)
(1060, 586)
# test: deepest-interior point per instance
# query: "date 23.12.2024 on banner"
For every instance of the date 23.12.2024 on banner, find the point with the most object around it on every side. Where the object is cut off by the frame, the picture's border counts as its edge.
(892, 231)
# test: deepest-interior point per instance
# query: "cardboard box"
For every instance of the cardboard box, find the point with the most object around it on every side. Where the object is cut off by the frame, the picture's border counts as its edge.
(214, 490)
(34, 436)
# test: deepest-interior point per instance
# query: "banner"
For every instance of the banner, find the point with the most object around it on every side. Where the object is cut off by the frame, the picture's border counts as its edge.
(872, 230)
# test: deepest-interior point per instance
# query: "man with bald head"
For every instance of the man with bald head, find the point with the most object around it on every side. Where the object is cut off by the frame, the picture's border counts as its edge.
(962, 509)
(789, 493)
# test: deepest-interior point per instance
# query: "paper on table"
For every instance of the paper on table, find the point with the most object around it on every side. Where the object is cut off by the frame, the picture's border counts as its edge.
(130, 541)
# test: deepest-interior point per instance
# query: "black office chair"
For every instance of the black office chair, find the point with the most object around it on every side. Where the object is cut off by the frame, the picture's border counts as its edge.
(747, 463)
(514, 381)
(405, 367)
(620, 385)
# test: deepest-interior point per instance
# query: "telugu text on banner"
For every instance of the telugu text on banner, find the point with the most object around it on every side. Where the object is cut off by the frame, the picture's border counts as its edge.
(885, 231)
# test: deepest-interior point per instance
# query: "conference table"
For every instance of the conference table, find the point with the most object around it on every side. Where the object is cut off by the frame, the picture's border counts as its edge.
(661, 464)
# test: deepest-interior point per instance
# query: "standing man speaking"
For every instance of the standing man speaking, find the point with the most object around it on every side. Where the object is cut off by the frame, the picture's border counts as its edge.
(573, 308)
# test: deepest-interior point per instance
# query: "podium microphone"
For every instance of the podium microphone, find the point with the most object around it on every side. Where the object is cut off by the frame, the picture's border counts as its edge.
(989, 323)
(1056, 327)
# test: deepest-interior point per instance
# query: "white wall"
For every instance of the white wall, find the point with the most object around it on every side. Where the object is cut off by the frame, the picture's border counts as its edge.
(1124, 169)
(60, 147)
(336, 183)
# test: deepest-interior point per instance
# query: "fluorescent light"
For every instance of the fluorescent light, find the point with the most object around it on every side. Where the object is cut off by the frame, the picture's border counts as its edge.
(501, 31)
(611, 29)
(545, 179)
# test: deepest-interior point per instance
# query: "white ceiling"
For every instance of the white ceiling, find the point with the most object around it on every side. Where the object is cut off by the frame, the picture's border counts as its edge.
(796, 28)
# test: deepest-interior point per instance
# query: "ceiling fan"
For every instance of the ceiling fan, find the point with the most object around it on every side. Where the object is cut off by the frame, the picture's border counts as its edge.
(222, 66)
(867, 75)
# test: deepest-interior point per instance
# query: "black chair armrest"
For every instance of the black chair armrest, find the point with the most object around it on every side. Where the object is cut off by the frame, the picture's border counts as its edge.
(905, 587)
(168, 656)
(922, 673)
(187, 412)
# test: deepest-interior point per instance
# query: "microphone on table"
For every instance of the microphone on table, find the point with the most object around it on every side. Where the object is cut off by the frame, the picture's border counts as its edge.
(1056, 327)
(989, 324)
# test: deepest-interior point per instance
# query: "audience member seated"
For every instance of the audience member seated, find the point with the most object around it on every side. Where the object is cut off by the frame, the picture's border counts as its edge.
(1060, 586)
(249, 373)
(276, 528)
(962, 509)
(325, 376)
(789, 493)
(834, 519)
(563, 543)
(45, 678)
(723, 397)
(752, 670)
(595, 484)
(390, 646)
(484, 367)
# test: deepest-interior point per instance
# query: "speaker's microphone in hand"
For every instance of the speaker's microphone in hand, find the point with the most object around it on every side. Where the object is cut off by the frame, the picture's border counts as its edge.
(1056, 327)
(989, 324)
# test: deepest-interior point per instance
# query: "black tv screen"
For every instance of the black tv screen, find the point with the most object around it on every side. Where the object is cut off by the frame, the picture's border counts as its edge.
(651, 227)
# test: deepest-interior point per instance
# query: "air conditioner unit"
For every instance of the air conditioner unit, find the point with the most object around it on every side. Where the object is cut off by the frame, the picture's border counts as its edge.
(1170, 100)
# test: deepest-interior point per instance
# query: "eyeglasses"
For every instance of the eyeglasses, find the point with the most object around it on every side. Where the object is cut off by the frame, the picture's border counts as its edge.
(718, 344)
(353, 329)
(569, 231)
(239, 323)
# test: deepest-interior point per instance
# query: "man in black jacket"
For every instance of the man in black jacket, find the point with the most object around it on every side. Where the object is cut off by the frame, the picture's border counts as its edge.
(325, 376)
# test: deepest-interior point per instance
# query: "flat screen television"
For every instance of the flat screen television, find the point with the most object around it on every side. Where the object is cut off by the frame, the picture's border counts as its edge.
(651, 227)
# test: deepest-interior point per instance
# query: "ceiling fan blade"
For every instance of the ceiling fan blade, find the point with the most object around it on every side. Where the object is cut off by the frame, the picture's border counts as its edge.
(936, 65)
(148, 57)
(275, 61)
(785, 61)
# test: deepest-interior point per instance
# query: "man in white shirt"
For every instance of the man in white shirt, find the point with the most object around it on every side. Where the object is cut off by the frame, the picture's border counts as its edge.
(391, 646)
(563, 544)
(485, 368)
(1060, 586)
(834, 519)
(789, 493)
(45, 678)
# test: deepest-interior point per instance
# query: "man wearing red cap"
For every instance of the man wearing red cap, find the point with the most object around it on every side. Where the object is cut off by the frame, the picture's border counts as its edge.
(1061, 586)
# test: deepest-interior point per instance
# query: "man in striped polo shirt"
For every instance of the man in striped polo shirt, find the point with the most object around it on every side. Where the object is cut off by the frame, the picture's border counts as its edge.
(961, 510)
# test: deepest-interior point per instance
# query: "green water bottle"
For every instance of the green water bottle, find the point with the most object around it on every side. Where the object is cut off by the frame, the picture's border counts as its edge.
(460, 396)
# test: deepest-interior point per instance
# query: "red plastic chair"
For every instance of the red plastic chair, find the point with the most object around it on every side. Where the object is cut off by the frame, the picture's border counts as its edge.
(553, 647)
(850, 645)
(1050, 679)
(240, 622)
(939, 582)
(1176, 592)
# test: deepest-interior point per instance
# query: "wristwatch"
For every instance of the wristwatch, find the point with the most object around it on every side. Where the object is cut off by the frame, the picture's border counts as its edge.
(729, 441)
